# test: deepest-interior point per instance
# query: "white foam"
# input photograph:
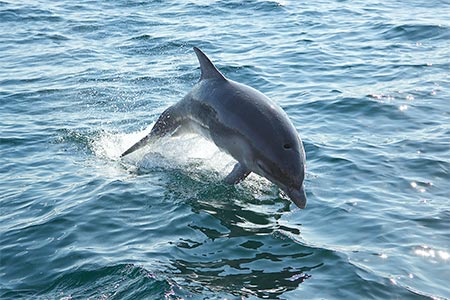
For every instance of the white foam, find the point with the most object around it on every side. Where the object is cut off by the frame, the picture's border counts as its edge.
(186, 151)
(111, 145)
(190, 152)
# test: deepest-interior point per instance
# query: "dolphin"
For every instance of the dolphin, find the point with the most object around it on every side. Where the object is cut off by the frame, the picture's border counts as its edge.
(243, 122)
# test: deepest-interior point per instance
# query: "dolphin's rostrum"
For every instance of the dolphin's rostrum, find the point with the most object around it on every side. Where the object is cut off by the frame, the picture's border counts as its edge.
(243, 122)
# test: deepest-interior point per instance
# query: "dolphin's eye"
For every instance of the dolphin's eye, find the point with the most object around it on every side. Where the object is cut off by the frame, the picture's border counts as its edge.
(287, 146)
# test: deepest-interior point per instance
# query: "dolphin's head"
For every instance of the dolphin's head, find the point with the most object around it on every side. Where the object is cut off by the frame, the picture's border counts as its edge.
(285, 166)
(260, 135)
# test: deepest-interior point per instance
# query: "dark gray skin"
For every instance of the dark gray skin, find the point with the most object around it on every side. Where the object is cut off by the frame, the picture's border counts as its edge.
(243, 122)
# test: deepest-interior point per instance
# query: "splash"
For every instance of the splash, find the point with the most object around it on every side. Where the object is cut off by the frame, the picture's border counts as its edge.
(189, 151)
(110, 145)
(192, 154)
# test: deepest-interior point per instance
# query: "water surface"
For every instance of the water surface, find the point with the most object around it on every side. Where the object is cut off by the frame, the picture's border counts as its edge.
(366, 83)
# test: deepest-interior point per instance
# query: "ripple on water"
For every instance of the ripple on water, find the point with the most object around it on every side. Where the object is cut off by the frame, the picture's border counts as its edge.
(416, 32)
(118, 281)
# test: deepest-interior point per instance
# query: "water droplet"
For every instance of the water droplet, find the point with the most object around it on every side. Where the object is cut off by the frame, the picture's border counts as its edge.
(425, 251)
(376, 96)
(443, 254)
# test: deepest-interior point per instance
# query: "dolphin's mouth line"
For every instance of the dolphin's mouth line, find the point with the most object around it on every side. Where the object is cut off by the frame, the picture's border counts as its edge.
(296, 195)
(266, 173)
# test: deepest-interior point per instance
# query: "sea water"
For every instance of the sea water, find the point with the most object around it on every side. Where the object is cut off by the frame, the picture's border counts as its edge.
(366, 84)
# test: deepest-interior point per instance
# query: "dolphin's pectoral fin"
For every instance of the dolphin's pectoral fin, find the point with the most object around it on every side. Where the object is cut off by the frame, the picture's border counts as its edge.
(167, 123)
(238, 174)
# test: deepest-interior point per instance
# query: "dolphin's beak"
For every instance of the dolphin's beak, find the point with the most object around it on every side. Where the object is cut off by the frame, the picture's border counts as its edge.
(298, 197)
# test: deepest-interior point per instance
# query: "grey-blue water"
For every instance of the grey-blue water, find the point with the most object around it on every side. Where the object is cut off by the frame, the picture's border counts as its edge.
(366, 83)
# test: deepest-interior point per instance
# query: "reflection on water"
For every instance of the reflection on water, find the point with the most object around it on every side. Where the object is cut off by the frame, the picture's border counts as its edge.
(239, 248)
(261, 283)
(238, 245)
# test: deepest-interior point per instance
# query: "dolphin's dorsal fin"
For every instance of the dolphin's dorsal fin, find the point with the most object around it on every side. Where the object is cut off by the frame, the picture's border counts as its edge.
(209, 71)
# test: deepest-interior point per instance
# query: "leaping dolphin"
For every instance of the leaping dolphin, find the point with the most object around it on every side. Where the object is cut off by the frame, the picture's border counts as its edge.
(243, 122)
